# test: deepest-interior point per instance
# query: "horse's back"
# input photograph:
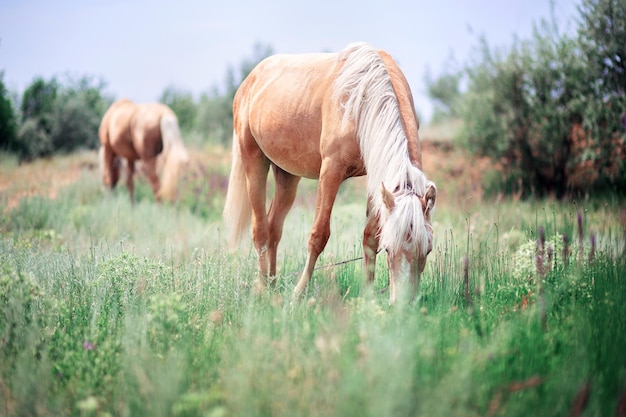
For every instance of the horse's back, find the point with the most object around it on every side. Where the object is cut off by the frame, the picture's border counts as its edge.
(281, 104)
(287, 83)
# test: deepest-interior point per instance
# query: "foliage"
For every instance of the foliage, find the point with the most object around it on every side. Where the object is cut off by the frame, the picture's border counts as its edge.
(203, 190)
(215, 108)
(601, 146)
(77, 115)
(550, 109)
(75, 125)
(181, 103)
(37, 107)
(603, 36)
(38, 101)
(58, 117)
(8, 120)
(211, 117)
(518, 109)
(445, 92)
(32, 141)
(32, 214)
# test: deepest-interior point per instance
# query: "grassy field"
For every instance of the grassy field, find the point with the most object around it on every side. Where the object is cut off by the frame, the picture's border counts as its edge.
(109, 309)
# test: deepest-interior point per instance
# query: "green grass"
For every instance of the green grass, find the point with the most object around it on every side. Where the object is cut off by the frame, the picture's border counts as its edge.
(109, 309)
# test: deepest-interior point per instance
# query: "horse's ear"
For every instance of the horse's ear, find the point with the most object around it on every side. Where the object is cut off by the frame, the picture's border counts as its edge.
(430, 197)
(388, 199)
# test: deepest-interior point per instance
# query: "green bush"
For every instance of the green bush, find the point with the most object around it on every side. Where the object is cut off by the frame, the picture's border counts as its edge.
(75, 125)
(181, 103)
(32, 140)
(519, 110)
(59, 118)
(550, 110)
(32, 213)
(8, 121)
(603, 36)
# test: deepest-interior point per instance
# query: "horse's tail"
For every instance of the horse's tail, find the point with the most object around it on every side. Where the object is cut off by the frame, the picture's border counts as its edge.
(175, 157)
(237, 209)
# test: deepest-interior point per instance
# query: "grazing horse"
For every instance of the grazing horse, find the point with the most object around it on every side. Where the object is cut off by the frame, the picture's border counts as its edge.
(142, 132)
(331, 117)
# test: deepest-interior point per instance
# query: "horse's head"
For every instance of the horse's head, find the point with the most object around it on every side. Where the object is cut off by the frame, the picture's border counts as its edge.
(407, 235)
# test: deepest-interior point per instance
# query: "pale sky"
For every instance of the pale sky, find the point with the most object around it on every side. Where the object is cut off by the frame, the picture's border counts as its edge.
(140, 47)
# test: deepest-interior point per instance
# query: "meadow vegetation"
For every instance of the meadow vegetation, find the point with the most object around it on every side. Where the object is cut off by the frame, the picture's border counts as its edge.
(109, 309)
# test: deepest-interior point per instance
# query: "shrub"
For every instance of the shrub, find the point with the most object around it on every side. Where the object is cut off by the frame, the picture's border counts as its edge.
(75, 125)
(549, 110)
(32, 140)
(8, 121)
(60, 118)
(181, 103)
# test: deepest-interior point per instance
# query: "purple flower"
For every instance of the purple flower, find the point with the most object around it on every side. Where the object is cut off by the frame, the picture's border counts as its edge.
(89, 346)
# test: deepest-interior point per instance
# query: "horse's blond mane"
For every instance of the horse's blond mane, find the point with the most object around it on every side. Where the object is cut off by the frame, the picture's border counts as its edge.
(368, 97)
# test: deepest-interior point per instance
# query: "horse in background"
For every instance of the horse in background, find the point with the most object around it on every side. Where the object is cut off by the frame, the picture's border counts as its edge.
(331, 117)
(146, 132)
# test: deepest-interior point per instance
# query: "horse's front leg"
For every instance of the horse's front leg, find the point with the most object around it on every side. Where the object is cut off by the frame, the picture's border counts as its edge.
(370, 243)
(330, 180)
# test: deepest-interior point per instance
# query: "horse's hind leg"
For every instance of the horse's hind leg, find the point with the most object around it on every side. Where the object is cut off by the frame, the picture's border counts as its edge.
(150, 171)
(257, 166)
(130, 166)
(284, 196)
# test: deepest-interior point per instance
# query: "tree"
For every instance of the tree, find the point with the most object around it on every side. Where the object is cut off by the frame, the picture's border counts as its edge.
(37, 107)
(181, 103)
(550, 109)
(32, 141)
(215, 116)
(77, 114)
(445, 93)
(235, 78)
(38, 101)
(8, 121)
(60, 118)
(602, 138)
(215, 109)
(603, 41)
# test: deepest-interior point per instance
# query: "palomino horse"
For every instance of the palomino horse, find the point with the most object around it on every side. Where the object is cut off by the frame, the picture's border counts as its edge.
(331, 117)
(142, 132)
